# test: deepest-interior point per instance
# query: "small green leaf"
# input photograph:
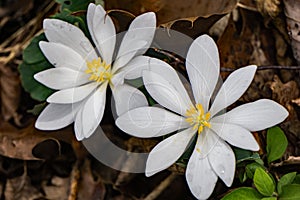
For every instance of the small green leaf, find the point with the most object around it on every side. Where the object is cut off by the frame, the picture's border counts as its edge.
(263, 182)
(276, 143)
(74, 5)
(32, 53)
(297, 179)
(245, 193)
(251, 168)
(290, 192)
(269, 198)
(285, 180)
(243, 155)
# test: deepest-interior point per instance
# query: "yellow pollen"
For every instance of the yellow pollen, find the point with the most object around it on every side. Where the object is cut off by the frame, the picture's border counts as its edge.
(99, 70)
(197, 118)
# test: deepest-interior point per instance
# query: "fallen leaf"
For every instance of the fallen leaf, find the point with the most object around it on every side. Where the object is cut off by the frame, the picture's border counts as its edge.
(29, 143)
(10, 93)
(168, 10)
(292, 12)
(89, 187)
(21, 189)
(284, 93)
(57, 189)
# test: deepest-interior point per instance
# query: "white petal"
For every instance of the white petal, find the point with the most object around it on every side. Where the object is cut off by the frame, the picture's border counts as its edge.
(255, 116)
(127, 98)
(72, 95)
(167, 152)
(117, 79)
(146, 122)
(60, 55)
(90, 115)
(222, 160)
(233, 88)
(56, 116)
(205, 142)
(202, 64)
(102, 30)
(200, 176)
(61, 78)
(135, 67)
(137, 39)
(59, 31)
(164, 90)
(235, 135)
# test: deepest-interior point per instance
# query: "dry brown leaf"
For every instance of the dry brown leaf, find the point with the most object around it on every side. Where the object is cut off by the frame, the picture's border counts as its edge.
(10, 92)
(284, 93)
(89, 188)
(168, 10)
(57, 189)
(296, 101)
(19, 188)
(21, 144)
(292, 12)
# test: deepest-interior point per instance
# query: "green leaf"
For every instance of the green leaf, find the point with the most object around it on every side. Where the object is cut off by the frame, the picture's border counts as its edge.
(251, 168)
(32, 53)
(285, 180)
(263, 182)
(33, 62)
(290, 192)
(37, 90)
(276, 143)
(297, 179)
(245, 193)
(269, 198)
(74, 5)
(243, 155)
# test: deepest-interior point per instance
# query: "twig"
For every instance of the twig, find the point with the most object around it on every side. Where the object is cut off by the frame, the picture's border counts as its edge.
(75, 176)
(161, 187)
(241, 5)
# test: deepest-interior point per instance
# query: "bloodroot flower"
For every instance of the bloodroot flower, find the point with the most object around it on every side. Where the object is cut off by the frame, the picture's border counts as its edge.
(212, 156)
(82, 73)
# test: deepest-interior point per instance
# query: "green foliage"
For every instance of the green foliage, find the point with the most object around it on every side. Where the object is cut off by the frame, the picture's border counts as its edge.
(33, 62)
(290, 192)
(276, 143)
(251, 168)
(245, 193)
(74, 5)
(263, 182)
(285, 180)
(244, 155)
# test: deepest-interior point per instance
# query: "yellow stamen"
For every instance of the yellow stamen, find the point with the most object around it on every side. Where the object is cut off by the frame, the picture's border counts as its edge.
(99, 70)
(197, 118)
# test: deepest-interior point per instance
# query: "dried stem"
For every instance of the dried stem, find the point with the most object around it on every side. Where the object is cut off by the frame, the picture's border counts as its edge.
(161, 187)
(75, 176)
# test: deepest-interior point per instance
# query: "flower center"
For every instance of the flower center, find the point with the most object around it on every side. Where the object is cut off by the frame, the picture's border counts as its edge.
(99, 70)
(197, 118)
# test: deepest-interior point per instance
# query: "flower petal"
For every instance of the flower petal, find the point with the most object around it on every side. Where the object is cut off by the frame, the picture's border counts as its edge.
(61, 78)
(255, 116)
(60, 55)
(127, 98)
(200, 176)
(222, 160)
(167, 152)
(137, 39)
(90, 115)
(102, 30)
(233, 88)
(72, 95)
(146, 122)
(59, 31)
(135, 67)
(202, 64)
(166, 91)
(56, 116)
(235, 135)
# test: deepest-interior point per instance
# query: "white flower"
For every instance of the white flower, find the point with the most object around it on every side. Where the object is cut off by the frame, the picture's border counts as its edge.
(212, 156)
(82, 73)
